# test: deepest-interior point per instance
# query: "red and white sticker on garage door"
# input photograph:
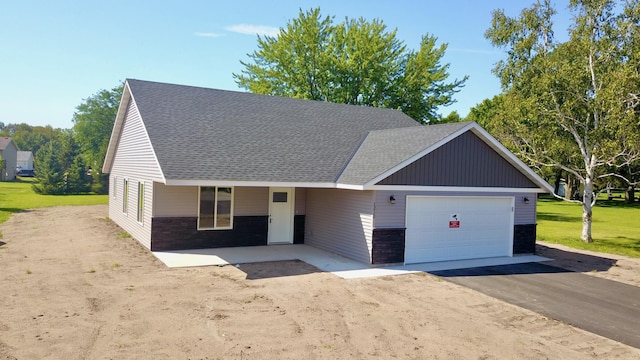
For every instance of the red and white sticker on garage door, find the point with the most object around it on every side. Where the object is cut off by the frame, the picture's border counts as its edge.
(454, 221)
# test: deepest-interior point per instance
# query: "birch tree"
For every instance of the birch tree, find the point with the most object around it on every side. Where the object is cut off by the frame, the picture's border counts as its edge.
(572, 105)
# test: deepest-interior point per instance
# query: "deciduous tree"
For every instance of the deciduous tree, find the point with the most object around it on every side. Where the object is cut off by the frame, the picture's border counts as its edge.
(355, 62)
(93, 122)
(572, 105)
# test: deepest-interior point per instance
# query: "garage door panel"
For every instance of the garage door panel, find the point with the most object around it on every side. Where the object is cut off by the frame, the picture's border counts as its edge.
(485, 228)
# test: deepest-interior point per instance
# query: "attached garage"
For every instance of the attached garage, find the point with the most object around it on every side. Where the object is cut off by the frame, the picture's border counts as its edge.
(442, 228)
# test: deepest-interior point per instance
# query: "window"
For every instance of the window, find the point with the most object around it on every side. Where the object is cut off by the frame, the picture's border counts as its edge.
(140, 202)
(125, 195)
(216, 208)
(280, 197)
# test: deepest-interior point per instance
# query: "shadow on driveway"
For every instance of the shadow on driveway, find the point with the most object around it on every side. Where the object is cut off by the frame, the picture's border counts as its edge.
(576, 261)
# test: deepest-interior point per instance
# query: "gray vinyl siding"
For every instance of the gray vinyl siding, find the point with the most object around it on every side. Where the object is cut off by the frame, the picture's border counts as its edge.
(135, 161)
(175, 201)
(301, 201)
(463, 161)
(251, 201)
(340, 221)
(182, 201)
(389, 215)
(134, 155)
(129, 221)
(10, 157)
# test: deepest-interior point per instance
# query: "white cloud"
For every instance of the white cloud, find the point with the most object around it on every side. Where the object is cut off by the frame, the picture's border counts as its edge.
(207, 34)
(254, 29)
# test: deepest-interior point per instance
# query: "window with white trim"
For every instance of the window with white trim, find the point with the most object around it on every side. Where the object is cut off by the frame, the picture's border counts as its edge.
(125, 195)
(215, 208)
(140, 202)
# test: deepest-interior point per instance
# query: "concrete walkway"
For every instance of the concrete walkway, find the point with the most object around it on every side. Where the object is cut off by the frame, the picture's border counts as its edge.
(323, 260)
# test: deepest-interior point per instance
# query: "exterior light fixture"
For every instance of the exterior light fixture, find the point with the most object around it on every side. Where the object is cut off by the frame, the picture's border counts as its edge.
(392, 199)
(525, 200)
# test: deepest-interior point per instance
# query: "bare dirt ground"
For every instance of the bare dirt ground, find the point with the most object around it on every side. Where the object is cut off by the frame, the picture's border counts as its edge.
(71, 287)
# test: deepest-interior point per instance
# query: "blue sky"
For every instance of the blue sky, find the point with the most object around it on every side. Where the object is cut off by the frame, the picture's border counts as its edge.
(54, 54)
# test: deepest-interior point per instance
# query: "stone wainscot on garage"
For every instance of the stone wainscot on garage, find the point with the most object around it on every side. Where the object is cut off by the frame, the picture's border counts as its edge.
(194, 168)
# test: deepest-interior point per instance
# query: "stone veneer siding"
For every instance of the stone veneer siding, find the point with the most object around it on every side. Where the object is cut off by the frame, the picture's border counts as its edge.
(298, 229)
(180, 233)
(524, 239)
(387, 246)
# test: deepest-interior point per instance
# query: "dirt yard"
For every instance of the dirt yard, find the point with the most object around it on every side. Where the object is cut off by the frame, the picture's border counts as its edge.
(72, 287)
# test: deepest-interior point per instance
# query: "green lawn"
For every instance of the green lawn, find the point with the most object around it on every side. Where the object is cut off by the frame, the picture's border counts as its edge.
(18, 195)
(615, 228)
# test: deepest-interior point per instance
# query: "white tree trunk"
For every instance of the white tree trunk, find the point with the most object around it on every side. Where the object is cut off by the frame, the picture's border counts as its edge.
(587, 206)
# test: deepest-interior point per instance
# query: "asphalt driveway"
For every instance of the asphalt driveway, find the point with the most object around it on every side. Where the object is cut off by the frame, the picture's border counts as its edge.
(604, 307)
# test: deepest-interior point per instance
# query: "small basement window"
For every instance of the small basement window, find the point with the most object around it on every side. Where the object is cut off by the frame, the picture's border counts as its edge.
(216, 208)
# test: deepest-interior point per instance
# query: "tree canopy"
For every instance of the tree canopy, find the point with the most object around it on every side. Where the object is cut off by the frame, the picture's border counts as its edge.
(355, 62)
(572, 105)
(93, 122)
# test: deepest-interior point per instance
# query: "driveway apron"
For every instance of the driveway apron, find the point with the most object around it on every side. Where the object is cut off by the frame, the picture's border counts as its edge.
(604, 307)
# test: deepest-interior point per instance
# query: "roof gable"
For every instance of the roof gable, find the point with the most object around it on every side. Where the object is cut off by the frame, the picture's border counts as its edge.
(25, 155)
(383, 150)
(465, 161)
(5, 141)
(208, 134)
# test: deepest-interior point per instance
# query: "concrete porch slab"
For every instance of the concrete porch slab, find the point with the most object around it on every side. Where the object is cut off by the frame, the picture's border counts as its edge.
(323, 260)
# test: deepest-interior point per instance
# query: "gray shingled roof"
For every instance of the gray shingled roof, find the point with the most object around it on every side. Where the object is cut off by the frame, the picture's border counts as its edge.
(383, 150)
(208, 134)
(4, 141)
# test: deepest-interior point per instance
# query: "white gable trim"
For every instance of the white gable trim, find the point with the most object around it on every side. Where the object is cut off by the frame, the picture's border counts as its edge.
(146, 133)
(455, 189)
(488, 139)
(117, 128)
(417, 156)
(127, 99)
(511, 158)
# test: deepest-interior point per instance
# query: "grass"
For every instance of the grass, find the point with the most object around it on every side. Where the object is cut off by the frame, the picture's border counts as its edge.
(615, 228)
(16, 196)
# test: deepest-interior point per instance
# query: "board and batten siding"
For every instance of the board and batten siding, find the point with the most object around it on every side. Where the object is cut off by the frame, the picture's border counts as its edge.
(464, 161)
(182, 201)
(389, 215)
(340, 221)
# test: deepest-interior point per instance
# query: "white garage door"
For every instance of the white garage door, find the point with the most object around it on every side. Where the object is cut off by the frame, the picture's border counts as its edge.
(455, 228)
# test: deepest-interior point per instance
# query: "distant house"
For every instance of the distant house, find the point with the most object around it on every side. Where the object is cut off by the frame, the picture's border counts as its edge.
(367, 183)
(8, 151)
(25, 160)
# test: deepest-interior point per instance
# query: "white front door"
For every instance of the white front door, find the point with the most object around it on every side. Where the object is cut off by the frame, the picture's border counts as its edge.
(281, 206)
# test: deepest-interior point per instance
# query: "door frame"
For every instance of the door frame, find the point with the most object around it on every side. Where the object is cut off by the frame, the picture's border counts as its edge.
(291, 193)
